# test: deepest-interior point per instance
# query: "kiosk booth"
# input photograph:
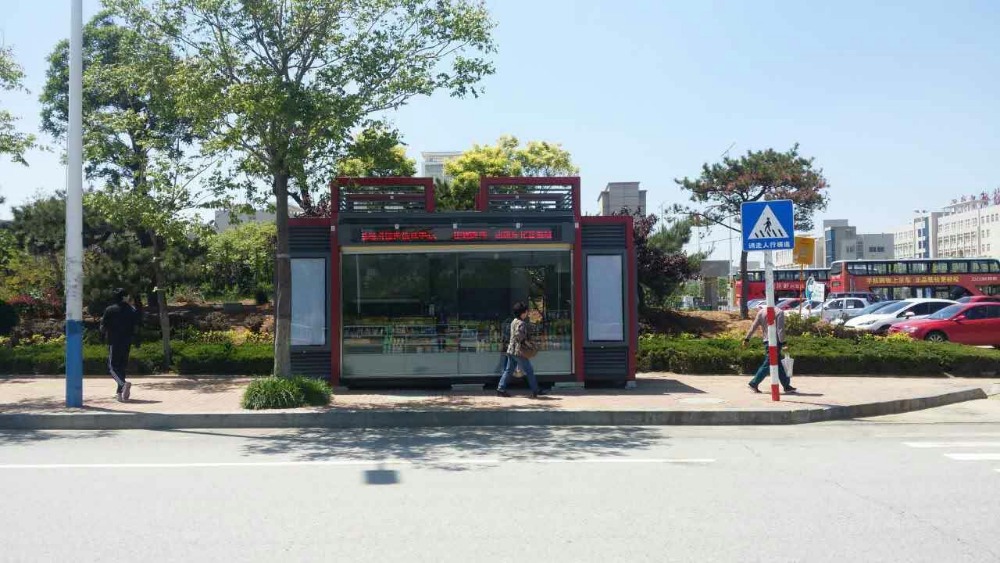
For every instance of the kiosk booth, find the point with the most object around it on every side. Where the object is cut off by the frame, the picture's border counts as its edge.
(388, 290)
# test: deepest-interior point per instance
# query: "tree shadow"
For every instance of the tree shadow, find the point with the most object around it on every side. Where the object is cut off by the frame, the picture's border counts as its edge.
(21, 437)
(434, 447)
(206, 385)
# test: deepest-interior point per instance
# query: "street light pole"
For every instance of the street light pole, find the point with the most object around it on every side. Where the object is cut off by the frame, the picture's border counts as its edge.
(74, 213)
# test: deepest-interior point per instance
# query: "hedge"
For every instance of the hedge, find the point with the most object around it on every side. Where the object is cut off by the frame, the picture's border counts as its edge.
(813, 356)
(145, 359)
(818, 356)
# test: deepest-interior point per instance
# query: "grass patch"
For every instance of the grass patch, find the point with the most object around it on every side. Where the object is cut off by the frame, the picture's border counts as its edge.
(285, 393)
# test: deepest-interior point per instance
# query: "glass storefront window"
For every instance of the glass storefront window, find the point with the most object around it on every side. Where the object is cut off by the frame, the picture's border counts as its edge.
(447, 314)
(309, 306)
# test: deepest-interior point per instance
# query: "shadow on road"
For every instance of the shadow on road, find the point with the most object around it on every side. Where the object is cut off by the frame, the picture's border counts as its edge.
(434, 447)
(21, 437)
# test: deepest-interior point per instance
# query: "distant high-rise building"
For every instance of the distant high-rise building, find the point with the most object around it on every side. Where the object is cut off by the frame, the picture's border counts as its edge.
(621, 195)
(842, 242)
(433, 166)
(968, 228)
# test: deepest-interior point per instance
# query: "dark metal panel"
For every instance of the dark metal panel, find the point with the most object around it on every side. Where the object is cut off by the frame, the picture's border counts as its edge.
(606, 361)
(309, 239)
(603, 236)
(313, 363)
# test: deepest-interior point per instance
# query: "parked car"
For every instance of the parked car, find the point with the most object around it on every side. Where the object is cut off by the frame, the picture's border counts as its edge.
(868, 310)
(841, 308)
(901, 311)
(977, 324)
(980, 299)
(788, 304)
(866, 295)
(754, 303)
(808, 308)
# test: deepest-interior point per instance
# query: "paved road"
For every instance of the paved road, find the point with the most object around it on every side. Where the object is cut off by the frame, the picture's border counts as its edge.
(917, 487)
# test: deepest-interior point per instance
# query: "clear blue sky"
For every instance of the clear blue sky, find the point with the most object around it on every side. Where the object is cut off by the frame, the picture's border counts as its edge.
(896, 100)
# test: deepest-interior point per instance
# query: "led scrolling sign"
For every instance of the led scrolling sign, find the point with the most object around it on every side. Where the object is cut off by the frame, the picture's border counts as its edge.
(458, 235)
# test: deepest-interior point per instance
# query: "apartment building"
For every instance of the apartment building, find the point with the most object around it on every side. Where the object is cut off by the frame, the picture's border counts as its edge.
(433, 163)
(621, 195)
(968, 227)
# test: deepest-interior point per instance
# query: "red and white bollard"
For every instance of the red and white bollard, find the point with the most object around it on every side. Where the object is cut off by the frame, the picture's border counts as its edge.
(772, 329)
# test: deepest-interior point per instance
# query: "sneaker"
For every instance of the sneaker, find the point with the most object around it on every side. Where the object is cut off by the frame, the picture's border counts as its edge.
(790, 389)
(119, 397)
(501, 393)
(753, 387)
(126, 391)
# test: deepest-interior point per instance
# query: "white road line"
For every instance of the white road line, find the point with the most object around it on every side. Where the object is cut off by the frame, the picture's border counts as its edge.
(623, 460)
(341, 462)
(974, 457)
(953, 444)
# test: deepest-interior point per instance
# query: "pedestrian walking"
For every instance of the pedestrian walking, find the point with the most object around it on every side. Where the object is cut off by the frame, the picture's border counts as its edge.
(765, 368)
(118, 325)
(520, 350)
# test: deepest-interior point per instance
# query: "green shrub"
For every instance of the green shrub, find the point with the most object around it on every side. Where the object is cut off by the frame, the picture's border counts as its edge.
(8, 318)
(316, 391)
(816, 355)
(273, 393)
(223, 359)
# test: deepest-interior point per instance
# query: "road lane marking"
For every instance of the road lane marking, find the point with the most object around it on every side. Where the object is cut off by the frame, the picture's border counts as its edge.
(346, 463)
(953, 444)
(974, 457)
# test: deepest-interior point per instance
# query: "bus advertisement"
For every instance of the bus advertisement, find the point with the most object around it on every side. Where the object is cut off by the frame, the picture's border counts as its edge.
(946, 278)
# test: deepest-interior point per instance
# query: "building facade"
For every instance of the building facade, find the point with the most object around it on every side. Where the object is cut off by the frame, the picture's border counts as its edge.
(621, 195)
(433, 163)
(967, 228)
(843, 242)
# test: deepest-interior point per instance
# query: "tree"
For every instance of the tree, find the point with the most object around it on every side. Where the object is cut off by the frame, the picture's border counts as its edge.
(377, 151)
(278, 86)
(13, 143)
(762, 175)
(660, 259)
(136, 140)
(506, 158)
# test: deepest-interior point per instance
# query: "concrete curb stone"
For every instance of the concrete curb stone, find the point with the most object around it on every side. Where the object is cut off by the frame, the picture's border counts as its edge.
(451, 418)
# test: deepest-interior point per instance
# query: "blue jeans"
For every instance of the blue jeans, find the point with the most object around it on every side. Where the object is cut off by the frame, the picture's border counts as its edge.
(508, 369)
(765, 369)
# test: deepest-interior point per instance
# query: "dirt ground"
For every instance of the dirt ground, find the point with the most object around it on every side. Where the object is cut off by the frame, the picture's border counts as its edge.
(701, 323)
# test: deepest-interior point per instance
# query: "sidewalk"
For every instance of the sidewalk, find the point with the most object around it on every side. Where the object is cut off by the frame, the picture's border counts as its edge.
(172, 401)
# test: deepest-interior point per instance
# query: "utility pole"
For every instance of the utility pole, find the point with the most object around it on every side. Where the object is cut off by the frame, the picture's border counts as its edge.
(74, 213)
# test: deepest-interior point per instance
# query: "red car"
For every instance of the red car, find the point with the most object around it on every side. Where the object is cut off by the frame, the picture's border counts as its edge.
(977, 324)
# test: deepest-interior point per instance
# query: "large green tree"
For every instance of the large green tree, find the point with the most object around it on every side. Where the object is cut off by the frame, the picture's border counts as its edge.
(376, 151)
(506, 158)
(722, 188)
(13, 143)
(136, 142)
(279, 85)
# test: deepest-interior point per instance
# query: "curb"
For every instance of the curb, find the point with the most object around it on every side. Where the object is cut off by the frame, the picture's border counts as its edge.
(424, 419)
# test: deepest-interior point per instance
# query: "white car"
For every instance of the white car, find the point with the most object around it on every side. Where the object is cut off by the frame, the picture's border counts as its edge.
(907, 309)
(841, 308)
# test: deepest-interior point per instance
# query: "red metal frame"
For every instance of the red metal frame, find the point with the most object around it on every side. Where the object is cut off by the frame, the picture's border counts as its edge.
(426, 183)
(483, 197)
(482, 204)
(632, 285)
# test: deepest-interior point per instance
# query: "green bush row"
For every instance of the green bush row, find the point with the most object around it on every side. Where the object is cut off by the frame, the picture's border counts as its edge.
(145, 359)
(818, 356)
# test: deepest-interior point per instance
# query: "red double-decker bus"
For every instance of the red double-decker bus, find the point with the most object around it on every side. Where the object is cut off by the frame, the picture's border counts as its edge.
(946, 278)
(787, 283)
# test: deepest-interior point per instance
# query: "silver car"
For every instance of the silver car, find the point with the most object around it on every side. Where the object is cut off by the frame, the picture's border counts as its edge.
(842, 308)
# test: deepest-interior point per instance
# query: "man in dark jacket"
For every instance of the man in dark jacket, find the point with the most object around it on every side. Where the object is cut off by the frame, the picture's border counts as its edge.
(118, 324)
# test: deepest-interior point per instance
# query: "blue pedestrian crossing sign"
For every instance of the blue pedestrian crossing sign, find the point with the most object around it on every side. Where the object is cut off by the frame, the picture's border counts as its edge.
(768, 225)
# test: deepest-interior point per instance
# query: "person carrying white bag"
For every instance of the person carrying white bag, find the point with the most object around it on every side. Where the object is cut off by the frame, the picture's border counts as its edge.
(784, 375)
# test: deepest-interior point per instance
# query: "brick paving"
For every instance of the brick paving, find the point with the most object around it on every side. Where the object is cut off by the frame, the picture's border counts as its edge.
(654, 392)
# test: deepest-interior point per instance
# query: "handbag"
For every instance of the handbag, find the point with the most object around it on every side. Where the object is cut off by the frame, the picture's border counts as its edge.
(528, 350)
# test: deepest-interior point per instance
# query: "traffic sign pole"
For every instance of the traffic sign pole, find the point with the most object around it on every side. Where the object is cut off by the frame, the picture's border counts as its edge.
(772, 329)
